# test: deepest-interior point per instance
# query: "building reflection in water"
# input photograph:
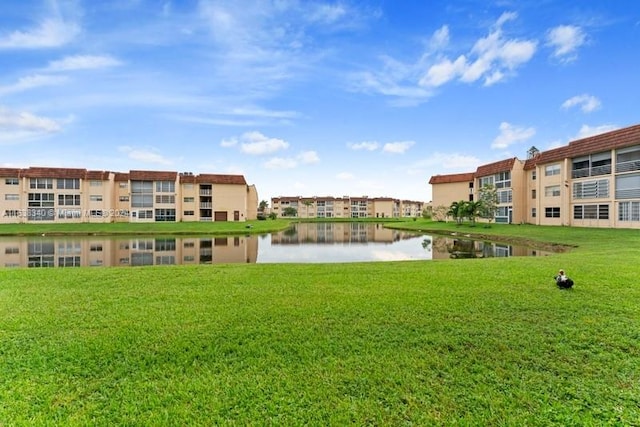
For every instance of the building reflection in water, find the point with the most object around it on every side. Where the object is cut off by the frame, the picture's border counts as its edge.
(314, 242)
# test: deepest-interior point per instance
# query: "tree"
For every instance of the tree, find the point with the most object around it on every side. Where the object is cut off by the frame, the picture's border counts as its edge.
(489, 202)
(262, 207)
(457, 210)
(473, 210)
(289, 211)
(439, 213)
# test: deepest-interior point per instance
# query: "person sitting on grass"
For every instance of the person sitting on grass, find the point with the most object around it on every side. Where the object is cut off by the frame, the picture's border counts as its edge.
(563, 281)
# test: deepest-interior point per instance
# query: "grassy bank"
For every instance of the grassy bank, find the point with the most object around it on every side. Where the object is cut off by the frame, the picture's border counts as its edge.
(459, 342)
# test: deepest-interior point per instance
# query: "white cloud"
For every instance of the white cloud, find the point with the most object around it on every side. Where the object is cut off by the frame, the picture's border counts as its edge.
(305, 158)
(280, 163)
(492, 59)
(83, 62)
(32, 82)
(345, 176)
(364, 145)
(145, 155)
(19, 126)
(587, 103)
(50, 33)
(587, 131)
(440, 38)
(232, 142)
(565, 40)
(308, 157)
(449, 161)
(444, 71)
(510, 134)
(399, 147)
(256, 143)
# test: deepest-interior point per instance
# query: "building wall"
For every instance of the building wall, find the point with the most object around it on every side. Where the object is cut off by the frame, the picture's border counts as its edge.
(346, 207)
(555, 188)
(98, 197)
(446, 194)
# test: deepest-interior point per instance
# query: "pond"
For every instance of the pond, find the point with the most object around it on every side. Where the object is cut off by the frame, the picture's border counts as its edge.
(302, 243)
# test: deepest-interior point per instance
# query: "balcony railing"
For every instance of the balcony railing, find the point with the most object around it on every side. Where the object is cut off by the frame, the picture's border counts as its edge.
(592, 171)
(632, 165)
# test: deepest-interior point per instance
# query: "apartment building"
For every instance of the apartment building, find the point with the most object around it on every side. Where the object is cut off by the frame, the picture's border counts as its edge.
(345, 207)
(590, 182)
(64, 195)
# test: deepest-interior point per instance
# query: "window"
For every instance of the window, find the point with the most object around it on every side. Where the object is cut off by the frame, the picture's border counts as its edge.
(533, 194)
(591, 165)
(146, 214)
(552, 170)
(189, 199)
(12, 213)
(165, 187)
(69, 213)
(486, 180)
(123, 198)
(40, 200)
(628, 186)
(12, 197)
(188, 213)
(166, 198)
(11, 250)
(68, 200)
(591, 212)
(504, 196)
(533, 175)
(165, 214)
(95, 197)
(552, 191)
(591, 189)
(141, 194)
(96, 213)
(41, 183)
(552, 212)
(629, 211)
(534, 212)
(123, 184)
(67, 184)
(69, 261)
(12, 181)
(628, 159)
(95, 247)
(503, 180)
(95, 183)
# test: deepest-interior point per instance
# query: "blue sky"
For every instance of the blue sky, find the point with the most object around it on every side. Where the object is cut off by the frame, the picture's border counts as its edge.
(325, 98)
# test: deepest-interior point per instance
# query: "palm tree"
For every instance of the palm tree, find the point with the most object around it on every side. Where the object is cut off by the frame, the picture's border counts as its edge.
(458, 210)
(473, 210)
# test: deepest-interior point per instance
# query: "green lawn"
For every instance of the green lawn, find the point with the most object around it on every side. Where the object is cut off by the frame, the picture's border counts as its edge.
(453, 342)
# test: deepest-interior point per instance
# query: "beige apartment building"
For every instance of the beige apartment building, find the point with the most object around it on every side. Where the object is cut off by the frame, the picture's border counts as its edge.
(63, 195)
(591, 182)
(346, 207)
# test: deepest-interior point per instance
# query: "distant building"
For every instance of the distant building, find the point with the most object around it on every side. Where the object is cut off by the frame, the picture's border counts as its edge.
(591, 182)
(345, 207)
(62, 195)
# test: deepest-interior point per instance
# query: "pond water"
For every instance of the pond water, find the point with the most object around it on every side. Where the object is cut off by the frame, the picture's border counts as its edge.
(302, 243)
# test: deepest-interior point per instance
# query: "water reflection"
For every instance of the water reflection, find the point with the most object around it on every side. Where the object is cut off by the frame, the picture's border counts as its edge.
(317, 242)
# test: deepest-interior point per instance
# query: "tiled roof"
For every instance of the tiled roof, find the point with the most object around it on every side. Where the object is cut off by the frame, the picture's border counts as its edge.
(452, 178)
(97, 175)
(221, 179)
(9, 172)
(187, 178)
(137, 175)
(620, 138)
(120, 176)
(65, 173)
(496, 167)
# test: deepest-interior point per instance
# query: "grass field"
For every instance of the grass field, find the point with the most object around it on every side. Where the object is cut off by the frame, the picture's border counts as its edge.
(454, 342)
